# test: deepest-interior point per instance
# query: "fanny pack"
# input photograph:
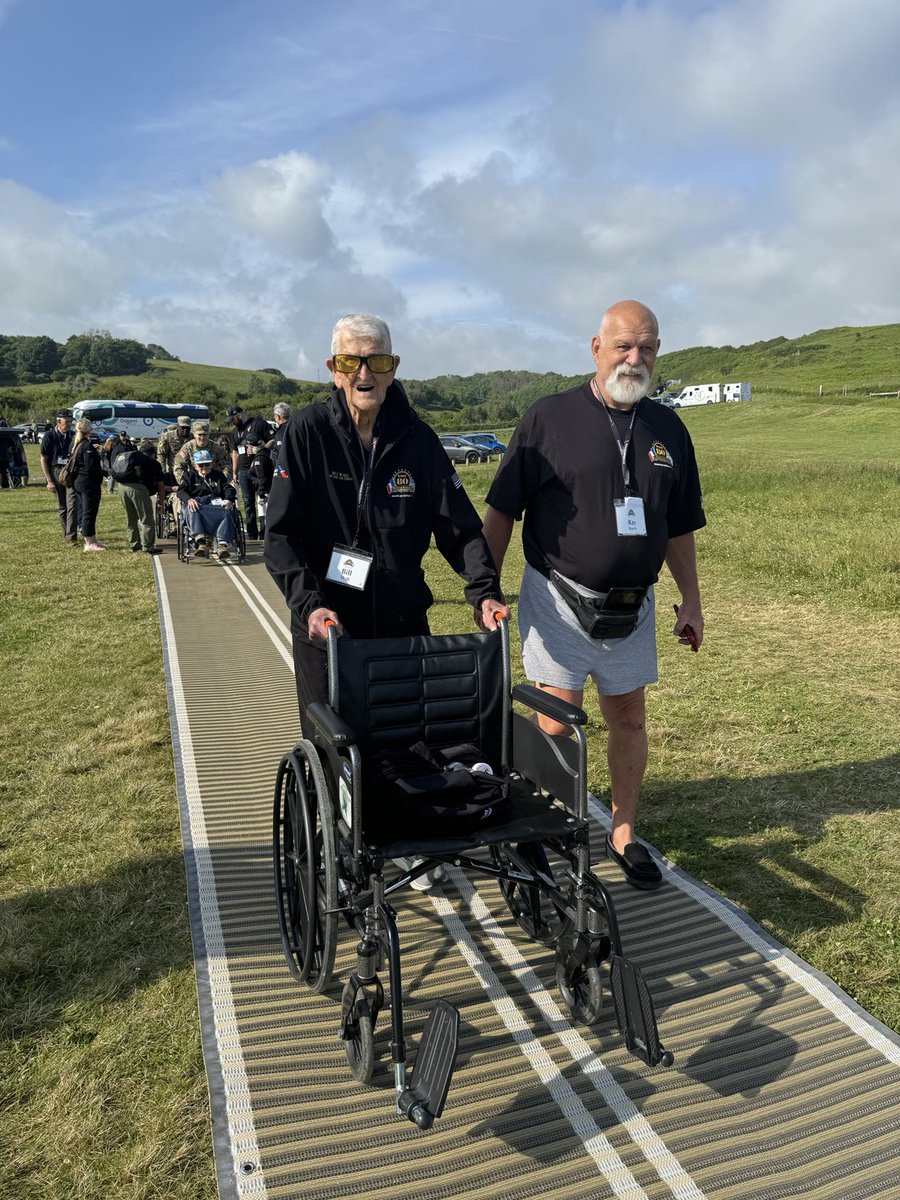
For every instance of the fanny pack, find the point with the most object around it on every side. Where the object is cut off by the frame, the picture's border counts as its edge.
(608, 615)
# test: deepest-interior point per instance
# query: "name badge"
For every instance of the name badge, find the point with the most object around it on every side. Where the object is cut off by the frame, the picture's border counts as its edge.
(349, 567)
(630, 517)
(61, 460)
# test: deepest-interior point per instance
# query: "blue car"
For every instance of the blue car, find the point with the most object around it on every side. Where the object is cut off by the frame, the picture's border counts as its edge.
(488, 441)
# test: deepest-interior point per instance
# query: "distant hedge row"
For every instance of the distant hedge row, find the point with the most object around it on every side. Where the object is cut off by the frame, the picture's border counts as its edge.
(40, 359)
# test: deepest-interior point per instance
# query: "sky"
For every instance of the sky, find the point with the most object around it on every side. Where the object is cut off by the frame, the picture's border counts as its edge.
(227, 179)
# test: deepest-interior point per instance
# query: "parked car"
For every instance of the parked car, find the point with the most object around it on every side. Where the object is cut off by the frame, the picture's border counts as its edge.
(460, 449)
(489, 441)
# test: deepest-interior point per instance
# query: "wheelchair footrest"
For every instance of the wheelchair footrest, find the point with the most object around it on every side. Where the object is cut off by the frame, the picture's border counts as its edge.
(634, 1012)
(423, 1101)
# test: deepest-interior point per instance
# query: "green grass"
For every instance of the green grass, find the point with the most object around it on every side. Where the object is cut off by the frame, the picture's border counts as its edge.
(774, 776)
(102, 1088)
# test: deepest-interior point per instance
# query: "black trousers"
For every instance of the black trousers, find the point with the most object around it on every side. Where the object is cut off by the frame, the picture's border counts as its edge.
(90, 504)
(249, 493)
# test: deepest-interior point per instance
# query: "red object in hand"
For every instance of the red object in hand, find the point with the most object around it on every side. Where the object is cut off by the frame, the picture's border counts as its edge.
(689, 633)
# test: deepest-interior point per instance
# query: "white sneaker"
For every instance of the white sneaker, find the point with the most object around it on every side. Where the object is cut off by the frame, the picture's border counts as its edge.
(425, 882)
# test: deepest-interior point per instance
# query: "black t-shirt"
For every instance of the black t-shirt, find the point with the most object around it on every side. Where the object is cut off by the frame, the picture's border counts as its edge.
(56, 446)
(563, 468)
(255, 427)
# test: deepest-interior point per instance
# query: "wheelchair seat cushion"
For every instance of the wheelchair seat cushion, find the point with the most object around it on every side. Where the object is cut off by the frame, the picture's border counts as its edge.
(431, 791)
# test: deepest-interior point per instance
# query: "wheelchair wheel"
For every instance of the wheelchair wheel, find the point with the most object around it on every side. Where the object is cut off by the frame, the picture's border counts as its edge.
(181, 534)
(359, 1047)
(532, 911)
(584, 994)
(305, 867)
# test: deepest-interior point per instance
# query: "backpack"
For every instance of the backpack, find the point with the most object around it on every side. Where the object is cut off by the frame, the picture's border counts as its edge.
(435, 792)
(125, 467)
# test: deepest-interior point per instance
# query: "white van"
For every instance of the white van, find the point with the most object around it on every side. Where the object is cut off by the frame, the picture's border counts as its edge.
(139, 418)
(701, 393)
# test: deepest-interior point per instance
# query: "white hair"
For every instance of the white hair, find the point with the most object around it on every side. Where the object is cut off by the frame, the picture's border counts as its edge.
(282, 410)
(364, 327)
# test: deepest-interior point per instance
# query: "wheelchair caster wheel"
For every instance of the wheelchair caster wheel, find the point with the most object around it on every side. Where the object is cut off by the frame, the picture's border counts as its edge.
(420, 1116)
(359, 1042)
(583, 995)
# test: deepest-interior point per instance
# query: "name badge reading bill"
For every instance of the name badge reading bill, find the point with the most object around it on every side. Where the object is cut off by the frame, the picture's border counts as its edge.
(630, 517)
(349, 567)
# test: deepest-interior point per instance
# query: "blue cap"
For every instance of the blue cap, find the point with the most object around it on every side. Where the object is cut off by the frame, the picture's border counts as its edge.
(202, 456)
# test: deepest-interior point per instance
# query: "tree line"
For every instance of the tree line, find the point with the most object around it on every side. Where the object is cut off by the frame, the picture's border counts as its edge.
(40, 359)
(97, 365)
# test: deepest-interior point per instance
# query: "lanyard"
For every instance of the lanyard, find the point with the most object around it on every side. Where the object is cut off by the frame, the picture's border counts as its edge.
(623, 446)
(364, 489)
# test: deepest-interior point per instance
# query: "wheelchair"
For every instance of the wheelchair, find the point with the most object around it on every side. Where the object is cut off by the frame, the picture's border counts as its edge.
(166, 520)
(185, 543)
(334, 834)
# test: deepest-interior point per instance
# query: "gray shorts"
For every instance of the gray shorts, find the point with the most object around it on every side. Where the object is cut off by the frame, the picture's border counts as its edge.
(556, 651)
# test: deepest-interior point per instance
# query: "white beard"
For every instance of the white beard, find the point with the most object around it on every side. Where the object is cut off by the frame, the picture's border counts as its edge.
(626, 385)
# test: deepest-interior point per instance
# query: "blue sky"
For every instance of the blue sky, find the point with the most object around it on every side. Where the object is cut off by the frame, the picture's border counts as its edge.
(227, 179)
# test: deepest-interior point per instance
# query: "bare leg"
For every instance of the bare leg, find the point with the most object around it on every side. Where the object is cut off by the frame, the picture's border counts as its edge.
(547, 723)
(626, 752)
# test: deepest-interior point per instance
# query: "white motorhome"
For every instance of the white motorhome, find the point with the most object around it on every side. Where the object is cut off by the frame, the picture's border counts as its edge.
(737, 391)
(701, 393)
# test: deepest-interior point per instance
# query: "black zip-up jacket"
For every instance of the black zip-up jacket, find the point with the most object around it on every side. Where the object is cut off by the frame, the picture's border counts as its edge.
(195, 487)
(262, 470)
(88, 475)
(414, 494)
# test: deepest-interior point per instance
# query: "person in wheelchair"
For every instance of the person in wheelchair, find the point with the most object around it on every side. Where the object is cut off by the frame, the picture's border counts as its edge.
(207, 500)
(361, 486)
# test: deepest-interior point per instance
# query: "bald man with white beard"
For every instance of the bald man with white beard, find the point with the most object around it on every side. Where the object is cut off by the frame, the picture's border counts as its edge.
(607, 481)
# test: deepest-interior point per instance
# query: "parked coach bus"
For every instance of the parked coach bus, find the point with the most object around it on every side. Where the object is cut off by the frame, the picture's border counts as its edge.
(139, 418)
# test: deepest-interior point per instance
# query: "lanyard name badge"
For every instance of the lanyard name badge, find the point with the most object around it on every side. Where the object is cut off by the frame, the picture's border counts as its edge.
(349, 565)
(630, 520)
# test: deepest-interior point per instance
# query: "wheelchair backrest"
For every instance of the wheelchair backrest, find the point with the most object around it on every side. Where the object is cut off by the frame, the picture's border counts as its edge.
(443, 690)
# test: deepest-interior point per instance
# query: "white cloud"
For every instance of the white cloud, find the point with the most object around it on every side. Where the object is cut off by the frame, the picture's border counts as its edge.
(735, 165)
(280, 201)
(49, 264)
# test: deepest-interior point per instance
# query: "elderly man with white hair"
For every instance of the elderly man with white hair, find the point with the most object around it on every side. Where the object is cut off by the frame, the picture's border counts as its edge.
(608, 484)
(361, 485)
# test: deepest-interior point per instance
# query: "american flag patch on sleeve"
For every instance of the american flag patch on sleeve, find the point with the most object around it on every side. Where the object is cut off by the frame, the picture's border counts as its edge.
(457, 482)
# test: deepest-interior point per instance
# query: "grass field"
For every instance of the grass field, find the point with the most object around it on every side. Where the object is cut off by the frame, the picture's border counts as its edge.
(774, 776)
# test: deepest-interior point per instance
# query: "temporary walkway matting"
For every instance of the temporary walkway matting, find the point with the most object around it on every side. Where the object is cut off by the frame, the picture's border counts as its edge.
(782, 1087)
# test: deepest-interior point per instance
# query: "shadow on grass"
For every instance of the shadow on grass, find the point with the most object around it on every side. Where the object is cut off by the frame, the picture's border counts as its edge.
(753, 839)
(91, 943)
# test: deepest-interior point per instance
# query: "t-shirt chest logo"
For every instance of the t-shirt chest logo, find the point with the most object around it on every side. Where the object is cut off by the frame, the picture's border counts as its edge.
(659, 455)
(401, 484)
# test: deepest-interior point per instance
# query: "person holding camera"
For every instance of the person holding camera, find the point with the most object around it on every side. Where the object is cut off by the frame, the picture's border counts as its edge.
(608, 484)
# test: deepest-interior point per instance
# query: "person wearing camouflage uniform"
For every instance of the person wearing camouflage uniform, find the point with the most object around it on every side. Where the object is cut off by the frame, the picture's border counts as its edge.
(172, 440)
(200, 440)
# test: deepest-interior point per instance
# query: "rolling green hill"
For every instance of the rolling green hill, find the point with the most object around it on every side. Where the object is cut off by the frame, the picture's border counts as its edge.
(845, 364)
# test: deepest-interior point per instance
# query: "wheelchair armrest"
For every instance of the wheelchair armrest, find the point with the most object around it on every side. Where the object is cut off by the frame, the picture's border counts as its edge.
(333, 728)
(549, 706)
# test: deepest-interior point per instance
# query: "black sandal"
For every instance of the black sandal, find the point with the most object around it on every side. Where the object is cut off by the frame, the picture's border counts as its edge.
(637, 865)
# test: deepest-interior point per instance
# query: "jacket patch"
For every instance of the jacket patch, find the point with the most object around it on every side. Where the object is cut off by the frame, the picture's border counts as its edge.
(659, 455)
(340, 475)
(455, 480)
(280, 471)
(401, 484)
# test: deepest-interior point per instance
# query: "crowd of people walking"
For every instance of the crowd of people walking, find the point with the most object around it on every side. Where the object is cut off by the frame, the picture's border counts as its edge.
(185, 465)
